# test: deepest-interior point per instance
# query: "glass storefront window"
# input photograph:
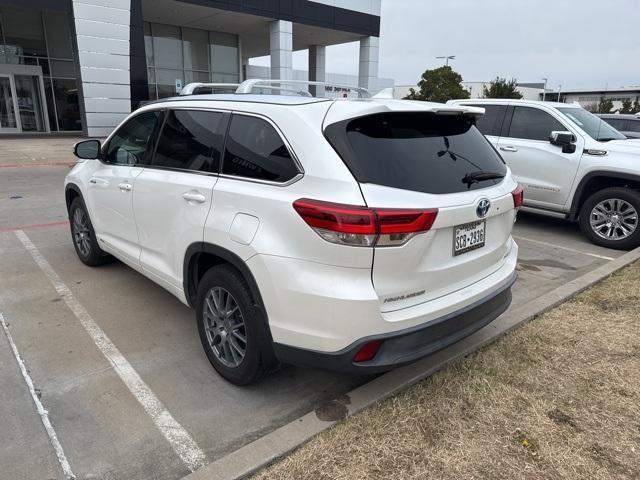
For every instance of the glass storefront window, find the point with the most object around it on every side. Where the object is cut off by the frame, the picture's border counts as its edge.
(29, 36)
(188, 55)
(167, 46)
(58, 34)
(194, 43)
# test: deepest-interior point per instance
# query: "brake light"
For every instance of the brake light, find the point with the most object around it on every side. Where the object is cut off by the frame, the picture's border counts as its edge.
(362, 226)
(368, 351)
(518, 196)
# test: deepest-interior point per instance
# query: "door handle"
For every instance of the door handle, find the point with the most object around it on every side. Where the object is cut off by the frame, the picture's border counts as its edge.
(125, 187)
(194, 197)
(509, 148)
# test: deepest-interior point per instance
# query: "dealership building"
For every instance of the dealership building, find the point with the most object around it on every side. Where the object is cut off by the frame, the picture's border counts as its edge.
(82, 65)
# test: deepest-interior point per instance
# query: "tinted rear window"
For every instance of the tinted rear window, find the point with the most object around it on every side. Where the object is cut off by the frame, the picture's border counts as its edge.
(422, 152)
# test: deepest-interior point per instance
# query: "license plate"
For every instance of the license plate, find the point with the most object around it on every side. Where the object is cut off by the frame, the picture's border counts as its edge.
(467, 237)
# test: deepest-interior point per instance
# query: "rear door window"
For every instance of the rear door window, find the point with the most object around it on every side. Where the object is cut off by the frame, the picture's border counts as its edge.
(632, 126)
(533, 124)
(191, 140)
(418, 151)
(491, 122)
(255, 150)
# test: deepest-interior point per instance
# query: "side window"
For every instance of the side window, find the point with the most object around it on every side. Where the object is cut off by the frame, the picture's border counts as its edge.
(491, 121)
(131, 145)
(191, 140)
(616, 123)
(255, 150)
(632, 126)
(533, 124)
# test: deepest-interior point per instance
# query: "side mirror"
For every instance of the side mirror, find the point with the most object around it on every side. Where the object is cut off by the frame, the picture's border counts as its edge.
(87, 150)
(563, 139)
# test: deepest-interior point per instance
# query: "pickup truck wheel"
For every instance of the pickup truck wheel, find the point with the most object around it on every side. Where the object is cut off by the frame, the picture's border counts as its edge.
(610, 218)
(232, 330)
(84, 238)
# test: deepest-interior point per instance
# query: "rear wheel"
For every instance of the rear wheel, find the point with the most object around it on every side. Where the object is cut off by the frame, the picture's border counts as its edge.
(610, 218)
(232, 331)
(84, 238)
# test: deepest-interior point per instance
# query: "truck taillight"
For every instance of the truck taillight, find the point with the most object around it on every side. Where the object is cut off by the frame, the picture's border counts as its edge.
(518, 196)
(361, 226)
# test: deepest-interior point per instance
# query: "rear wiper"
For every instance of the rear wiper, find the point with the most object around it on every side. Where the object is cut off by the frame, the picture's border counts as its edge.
(480, 175)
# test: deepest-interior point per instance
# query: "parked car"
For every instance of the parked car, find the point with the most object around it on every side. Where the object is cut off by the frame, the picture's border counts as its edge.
(571, 164)
(627, 124)
(353, 235)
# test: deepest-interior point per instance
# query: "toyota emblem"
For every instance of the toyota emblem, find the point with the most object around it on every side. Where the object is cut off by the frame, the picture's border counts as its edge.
(483, 207)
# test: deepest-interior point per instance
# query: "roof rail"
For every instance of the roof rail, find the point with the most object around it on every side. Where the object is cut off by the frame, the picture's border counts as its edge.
(190, 88)
(249, 85)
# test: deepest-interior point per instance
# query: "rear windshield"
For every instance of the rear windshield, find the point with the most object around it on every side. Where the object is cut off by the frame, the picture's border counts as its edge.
(423, 152)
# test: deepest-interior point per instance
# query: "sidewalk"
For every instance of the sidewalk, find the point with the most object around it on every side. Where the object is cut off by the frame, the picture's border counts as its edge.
(24, 152)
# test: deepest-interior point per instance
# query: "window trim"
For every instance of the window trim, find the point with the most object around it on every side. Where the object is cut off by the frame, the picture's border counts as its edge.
(186, 170)
(105, 145)
(285, 141)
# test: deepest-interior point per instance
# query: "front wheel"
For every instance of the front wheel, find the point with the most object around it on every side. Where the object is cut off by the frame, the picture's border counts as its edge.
(232, 331)
(610, 218)
(84, 237)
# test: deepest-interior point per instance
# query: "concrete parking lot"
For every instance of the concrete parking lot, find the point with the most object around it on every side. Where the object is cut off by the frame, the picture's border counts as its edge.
(105, 430)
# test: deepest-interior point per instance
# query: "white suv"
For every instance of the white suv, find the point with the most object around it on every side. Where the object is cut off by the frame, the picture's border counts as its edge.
(353, 235)
(571, 164)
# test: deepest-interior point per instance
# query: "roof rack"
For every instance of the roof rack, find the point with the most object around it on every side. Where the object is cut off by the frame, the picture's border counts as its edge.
(290, 86)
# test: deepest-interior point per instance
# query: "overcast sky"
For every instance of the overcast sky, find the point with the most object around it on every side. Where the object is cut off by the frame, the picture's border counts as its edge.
(576, 43)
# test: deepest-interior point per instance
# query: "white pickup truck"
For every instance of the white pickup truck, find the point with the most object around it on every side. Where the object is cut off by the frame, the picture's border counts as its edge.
(570, 163)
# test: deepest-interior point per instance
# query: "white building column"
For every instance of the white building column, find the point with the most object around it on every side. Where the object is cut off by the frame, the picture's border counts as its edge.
(368, 65)
(317, 62)
(281, 49)
(103, 50)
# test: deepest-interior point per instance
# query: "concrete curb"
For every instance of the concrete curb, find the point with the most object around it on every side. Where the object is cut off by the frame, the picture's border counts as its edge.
(263, 451)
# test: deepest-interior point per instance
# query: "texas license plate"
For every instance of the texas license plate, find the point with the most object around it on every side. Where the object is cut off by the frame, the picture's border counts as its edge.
(467, 237)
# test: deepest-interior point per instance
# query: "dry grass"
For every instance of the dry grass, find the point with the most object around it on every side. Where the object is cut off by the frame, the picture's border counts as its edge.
(559, 398)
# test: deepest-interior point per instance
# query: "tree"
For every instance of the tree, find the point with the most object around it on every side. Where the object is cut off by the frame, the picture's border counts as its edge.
(439, 85)
(605, 105)
(636, 106)
(627, 106)
(501, 88)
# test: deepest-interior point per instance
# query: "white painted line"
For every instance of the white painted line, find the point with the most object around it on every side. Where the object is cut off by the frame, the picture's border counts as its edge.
(547, 244)
(44, 414)
(179, 439)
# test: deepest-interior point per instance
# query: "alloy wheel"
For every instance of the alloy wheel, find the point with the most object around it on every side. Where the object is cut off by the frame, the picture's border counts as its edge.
(81, 234)
(224, 327)
(614, 219)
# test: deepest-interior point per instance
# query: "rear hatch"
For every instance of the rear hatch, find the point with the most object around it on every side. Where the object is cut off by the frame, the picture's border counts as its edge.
(436, 161)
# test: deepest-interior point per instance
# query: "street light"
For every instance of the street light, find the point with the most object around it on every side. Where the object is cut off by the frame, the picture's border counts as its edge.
(544, 91)
(559, 90)
(447, 58)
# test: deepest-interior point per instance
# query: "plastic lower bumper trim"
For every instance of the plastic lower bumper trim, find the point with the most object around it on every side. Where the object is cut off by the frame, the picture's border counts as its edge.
(405, 346)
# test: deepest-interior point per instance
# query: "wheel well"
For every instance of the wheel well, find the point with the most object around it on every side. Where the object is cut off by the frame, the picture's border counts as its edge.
(201, 257)
(70, 195)
(597, 183)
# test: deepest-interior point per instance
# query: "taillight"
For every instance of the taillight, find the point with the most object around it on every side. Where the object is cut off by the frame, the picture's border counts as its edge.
(518, 196)
(362, 226)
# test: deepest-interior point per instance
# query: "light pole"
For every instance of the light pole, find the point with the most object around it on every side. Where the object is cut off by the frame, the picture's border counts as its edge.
(559, 90)
(447, 58)
(544, 90)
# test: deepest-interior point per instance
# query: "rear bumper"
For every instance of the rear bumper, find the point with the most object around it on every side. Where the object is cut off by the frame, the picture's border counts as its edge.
(407, 345)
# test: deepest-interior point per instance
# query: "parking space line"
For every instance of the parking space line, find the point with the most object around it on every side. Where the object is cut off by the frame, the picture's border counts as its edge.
(547, 244)
(179, 439)
(44, 414)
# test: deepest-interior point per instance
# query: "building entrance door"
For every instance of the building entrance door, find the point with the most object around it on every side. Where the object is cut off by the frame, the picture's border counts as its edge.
(22, 105)
(8, 105)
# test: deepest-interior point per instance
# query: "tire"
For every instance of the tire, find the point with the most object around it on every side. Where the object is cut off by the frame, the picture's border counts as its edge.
(84, 237)
(222, 338)
(617, 203)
